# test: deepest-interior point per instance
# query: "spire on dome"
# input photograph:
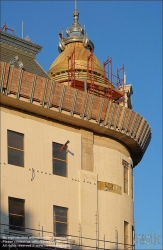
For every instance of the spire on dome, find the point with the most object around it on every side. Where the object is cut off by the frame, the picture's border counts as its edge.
(75, 34)
(75, 4)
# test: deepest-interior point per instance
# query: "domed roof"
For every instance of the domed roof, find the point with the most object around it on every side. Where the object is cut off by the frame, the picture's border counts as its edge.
(60, 64)
(76, 66)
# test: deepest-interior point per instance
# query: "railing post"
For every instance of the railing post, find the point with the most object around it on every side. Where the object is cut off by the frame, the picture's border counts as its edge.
(104, 241)
(116, 239)
(79, 235)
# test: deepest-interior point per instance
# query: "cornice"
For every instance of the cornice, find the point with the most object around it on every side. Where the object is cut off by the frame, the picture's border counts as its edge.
(66, 104)
(19, 43)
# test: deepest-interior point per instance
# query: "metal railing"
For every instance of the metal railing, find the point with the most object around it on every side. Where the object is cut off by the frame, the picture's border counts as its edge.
(35, 238)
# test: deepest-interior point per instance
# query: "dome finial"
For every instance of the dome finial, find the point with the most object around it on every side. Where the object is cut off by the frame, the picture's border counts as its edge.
(75, 4)
(76, 13)
(75, 34)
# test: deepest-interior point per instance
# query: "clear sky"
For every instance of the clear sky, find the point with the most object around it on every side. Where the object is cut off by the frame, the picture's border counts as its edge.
(131, 33)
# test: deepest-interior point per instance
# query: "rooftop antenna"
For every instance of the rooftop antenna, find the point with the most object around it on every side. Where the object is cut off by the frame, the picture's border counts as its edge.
(22, 30)
(4, 28)
(125, 78)
(75, 4)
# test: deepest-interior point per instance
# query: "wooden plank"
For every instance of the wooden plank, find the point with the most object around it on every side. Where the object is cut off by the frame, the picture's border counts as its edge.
(2, 75)
(48, 91)
(104, 110)
(43, 91)
(68, 98)
(27, 83)
(80, 101)
(14, 78)
(57, 94)
(96, 106)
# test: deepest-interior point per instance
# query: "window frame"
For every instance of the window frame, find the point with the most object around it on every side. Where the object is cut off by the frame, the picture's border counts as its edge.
(125, 176)
(58, 234)
(13, 148)
(59, 159)
(126, 234)
(132, 182)
(17, 227)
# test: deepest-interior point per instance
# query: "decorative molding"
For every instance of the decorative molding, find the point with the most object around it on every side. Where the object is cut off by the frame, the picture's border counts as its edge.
(128, 126)
(19, 43)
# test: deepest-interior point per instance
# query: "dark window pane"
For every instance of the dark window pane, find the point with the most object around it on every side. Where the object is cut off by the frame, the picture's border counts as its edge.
(58, 152)
(16, 221)
(59, 168)
(60, 220)
(61, 228)
(15, 140)
(60, 214)
(16, 213)
(15, 157)
(16, 206)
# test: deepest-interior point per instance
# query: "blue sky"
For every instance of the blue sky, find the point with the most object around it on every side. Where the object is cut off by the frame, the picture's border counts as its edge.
(131, 33)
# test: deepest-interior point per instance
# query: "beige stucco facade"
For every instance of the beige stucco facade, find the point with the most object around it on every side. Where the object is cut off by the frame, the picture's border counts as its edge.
(71, 177)
(92, 159)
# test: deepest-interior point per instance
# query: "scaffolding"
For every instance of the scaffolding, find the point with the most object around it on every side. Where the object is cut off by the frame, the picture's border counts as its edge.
(42, 239)
(108, 93)
(5, 29)
(104, 84)
(71, 69)
(90, 71)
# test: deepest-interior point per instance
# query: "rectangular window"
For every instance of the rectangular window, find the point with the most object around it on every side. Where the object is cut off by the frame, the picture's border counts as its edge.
(126, 235)
(60, 220)
(15, 148)
(133, 237)
(132, 182)
(59, 159)
(16, 214)
(125, 165)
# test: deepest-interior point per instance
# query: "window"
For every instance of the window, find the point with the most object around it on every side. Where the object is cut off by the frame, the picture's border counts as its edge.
(59, 159)
(133, 237)
(15, 148)
(60, 220)
(132, 182)
(125, 165)
(125, 235)
(16, 214)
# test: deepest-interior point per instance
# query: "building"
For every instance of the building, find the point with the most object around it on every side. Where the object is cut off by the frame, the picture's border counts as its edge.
(69, 143)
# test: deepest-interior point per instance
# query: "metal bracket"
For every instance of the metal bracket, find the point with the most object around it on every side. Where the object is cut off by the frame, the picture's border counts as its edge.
(50, 96)
(117, 116)
(107, 113)
(124, 115)
(33, 89)
(90, 106)
(85, 104)
(128, 121)
(102, 104)
(45, 90)
(133, 123)
(62, 97)
(111, 116)
(74, 102)
(8, 82)
(2, 78)
(19, 85)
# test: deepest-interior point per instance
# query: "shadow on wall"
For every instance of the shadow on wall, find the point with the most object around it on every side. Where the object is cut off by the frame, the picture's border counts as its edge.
(14, 236)
(29, 237)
